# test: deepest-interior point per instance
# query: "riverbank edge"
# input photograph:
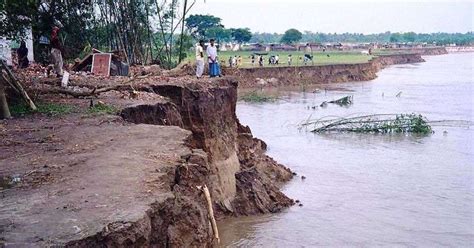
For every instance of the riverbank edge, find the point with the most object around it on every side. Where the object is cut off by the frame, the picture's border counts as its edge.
(223, 155)
(242, 180)
(320, 74)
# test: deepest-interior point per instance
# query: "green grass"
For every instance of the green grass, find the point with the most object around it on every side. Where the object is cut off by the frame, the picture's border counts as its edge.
(58, 109)
(50, 109)
(257, 97)
(320, 58)
(100, 109)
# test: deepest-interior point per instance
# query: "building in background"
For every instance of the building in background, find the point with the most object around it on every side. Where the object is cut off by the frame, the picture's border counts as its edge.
(7, 45)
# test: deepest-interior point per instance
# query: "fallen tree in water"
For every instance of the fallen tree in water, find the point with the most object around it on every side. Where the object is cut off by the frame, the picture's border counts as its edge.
(378, 123)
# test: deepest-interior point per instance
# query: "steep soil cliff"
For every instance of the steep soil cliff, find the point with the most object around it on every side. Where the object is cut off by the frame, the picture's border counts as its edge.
(421, 50)
(303, 75)
(241, 178)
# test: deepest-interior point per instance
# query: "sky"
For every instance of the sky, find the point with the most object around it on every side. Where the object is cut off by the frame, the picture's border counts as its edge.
(339, 16)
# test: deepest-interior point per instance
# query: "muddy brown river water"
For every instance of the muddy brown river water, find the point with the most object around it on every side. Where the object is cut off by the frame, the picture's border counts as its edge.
(368, 190)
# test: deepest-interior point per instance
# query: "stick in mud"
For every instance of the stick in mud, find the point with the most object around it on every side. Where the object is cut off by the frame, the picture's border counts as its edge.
(211, 212)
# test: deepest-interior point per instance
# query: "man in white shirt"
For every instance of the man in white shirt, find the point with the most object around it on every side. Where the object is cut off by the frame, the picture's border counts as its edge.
(214, 70)
(199, 59)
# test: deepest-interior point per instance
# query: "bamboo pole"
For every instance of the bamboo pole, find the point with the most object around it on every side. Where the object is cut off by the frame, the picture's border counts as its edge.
(211, 213)
(182, 32)
(18, 86)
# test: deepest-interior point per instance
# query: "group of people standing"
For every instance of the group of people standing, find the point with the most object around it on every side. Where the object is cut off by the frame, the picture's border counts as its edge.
(272, 60)
(212, 59)
(235, 61)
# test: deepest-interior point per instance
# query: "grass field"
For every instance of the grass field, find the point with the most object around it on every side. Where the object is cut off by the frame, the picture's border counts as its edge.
(320, 58)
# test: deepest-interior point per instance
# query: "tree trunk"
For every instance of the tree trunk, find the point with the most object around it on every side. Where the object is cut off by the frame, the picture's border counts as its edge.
(180, 56)
(4, 110)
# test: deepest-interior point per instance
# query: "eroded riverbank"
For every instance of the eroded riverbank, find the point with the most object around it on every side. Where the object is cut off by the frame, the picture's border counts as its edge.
(80, 180)
(71, 179)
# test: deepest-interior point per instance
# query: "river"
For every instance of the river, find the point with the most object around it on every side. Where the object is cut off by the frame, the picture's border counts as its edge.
(368, 190)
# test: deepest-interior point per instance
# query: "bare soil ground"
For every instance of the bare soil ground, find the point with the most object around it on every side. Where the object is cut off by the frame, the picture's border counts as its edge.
(67, 178)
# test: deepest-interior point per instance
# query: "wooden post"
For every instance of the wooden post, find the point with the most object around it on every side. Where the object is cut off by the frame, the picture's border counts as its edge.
(14, 82)
(4, 110)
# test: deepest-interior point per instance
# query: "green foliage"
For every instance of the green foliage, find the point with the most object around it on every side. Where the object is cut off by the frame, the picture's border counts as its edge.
(265, 37)
(101, 109)
(241, 35)
(291, 36)
(433, 38)
(50, 109)
(399, 123)
(257, 97)
(200, 24)
(188, 42)
(15, 16)
(410, 123)
(218, 33)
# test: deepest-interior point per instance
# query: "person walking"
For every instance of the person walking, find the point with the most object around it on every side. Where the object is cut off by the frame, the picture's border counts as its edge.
(290, 59)
(234, 61)
(214, 70)
(56, 55)
(199, 59)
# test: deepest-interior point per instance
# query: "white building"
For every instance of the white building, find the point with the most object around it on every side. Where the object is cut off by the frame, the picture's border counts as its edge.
(6, 52)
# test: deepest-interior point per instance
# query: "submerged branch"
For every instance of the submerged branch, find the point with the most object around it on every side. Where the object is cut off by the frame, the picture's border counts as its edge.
(379, 123)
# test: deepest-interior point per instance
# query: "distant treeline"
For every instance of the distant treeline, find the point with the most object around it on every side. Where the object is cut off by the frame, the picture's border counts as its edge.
(433, 38)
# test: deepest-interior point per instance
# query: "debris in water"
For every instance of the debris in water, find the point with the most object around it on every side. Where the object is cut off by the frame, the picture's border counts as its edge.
(303, 177)
(347, 100)
(399, 94)
(379, 123)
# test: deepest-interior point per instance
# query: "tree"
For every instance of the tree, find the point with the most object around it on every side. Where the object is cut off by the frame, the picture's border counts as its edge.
(218, 33)
(199, 24)
(291, 36)
(15, 16)
(409, 37)
(241, 35)
(396, 37)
